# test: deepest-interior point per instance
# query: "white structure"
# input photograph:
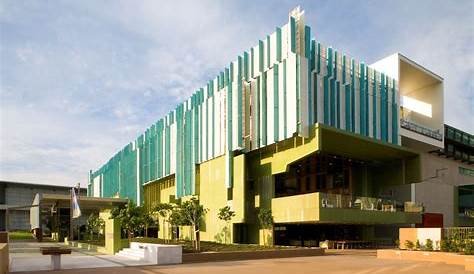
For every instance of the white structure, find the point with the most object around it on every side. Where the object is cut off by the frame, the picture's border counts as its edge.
(153, 253)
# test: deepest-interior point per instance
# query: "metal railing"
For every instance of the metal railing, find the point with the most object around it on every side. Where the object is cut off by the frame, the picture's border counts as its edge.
(329, 200)
(435, 134)
(458, 233)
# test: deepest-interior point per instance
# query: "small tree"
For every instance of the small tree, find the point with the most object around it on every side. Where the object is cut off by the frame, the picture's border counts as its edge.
(146, 220)
(94, 224)
(193, 213)
(417, 245)
(129, 217)
(226, 214)
(429, 245)
(164, 210)
(409, 244)
(265, 220)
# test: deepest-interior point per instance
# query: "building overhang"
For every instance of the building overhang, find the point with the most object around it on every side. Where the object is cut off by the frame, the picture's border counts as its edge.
(64, 201)
(351, 145)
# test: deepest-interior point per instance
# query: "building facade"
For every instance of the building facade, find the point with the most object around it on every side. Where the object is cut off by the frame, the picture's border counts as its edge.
(16, 198)
(321, 139)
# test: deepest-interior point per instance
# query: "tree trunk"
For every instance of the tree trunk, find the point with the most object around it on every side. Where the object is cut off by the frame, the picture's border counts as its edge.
(129, 236)
(146, 231)
(197, 238)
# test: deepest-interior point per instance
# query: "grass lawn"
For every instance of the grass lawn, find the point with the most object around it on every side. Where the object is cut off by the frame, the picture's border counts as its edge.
(97, 242)
(20, 235)
(211, 246)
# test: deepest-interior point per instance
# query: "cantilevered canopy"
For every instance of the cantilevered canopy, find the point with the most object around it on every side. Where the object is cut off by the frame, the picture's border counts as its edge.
(344, 143)
(64, 201)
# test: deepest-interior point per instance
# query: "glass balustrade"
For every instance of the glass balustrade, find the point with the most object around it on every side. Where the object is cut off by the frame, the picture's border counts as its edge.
(328, 200)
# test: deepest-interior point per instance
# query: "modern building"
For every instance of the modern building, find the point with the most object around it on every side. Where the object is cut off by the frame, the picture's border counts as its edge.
(336, 148)
(16, 198)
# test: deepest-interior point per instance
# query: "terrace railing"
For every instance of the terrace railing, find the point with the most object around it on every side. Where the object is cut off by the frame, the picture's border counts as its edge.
(329, 200)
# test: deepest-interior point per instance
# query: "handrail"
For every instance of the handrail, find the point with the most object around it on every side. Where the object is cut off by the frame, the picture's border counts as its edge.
(435, 134)
(329, 200)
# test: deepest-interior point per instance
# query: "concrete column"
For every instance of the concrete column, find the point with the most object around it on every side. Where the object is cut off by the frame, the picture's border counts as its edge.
(112, 232)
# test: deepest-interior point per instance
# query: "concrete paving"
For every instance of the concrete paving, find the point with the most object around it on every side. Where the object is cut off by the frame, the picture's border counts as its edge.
(334, 262)
(26, 256)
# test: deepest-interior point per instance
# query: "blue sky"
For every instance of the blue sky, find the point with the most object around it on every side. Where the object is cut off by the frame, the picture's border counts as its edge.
(80, 79)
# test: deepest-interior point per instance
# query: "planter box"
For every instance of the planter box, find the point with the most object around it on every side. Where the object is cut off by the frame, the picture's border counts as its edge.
(250, 255)
(431, 256)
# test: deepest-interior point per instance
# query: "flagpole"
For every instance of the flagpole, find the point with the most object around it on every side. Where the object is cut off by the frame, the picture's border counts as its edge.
(70, 217)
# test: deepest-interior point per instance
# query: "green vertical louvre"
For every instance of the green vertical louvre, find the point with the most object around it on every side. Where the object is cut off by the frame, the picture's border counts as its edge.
(252, 62)
(374, 104)
(326, 100)
(188, 161)
(347, 103)
(268, 51)
(276, 111)
(159, 150)
(366, 96)
(343, 69)
(362, 107)
(318, 67)
(229, 114)
(264, 109)
(257, 110)
(353, 76)
(195, 103)
(278, 49)
(338, 104)
(329, 62)
(246, 66)
(293, 34)
(167, 149)
(239, 104)
(335, 66)
(332, 101)
(179, 152)
(229, 159)
(152, 153)
(307, 39)
(313, 55)
(260, 55)
(315, 96)
(383, 109)
(298, 93)
(394, 114)
(284, 100)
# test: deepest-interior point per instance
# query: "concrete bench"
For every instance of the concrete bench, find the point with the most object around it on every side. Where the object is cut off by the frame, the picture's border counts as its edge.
(159, 253)
(55, 253)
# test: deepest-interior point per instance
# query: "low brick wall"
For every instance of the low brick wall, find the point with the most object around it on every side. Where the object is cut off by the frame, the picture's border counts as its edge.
(250, 255)
(434, 256)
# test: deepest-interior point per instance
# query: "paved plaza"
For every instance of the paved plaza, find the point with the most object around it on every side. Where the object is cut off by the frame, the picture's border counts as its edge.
(353, 262)
(26, 256)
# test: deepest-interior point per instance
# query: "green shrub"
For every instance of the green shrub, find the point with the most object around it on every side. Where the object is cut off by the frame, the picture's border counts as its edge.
(397, 243)
(409, 244)
(429, 245)
(445, 245)
(469, 247)
(417, 245)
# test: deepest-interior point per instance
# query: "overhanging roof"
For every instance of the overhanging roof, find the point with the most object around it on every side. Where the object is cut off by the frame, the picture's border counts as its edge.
(64, 201)
(344, 143)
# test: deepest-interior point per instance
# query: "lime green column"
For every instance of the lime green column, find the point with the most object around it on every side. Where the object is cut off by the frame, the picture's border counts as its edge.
(112, 232)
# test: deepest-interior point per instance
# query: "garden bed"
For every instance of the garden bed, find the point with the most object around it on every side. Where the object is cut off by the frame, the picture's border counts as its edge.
(213, 246)
(431, 256)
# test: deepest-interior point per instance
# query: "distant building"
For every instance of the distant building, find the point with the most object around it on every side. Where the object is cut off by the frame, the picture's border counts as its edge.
(17, 197)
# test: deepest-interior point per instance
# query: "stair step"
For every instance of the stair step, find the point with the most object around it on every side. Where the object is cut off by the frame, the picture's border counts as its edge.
(136, 254)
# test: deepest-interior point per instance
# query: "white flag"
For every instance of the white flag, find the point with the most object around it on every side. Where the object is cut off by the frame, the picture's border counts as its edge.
(76, 210)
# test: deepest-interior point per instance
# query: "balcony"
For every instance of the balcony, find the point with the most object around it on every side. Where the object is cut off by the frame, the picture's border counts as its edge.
(321, 207)
(409, 125)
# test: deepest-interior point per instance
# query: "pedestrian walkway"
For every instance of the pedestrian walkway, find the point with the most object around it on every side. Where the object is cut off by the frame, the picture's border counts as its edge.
(26, 256)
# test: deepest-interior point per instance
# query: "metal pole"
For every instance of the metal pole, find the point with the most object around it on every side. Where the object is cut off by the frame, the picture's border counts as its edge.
(70, 217)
